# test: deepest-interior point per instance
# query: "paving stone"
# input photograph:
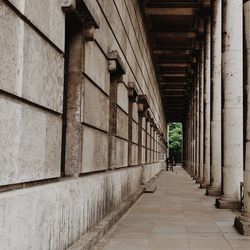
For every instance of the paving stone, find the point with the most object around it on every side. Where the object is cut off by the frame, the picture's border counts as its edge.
(176, 216)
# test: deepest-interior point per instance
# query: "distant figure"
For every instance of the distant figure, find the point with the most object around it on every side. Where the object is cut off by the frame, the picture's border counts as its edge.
(167, 163)
(172, 164)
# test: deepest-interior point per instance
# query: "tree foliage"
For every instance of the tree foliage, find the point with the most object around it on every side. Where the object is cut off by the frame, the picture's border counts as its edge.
(175, 140)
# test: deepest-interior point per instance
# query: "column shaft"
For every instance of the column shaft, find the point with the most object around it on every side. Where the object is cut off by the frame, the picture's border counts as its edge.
(201, 109)
(242, 222)
(197, 124)
(194, 131)
(215, 173)
(232, 73)
(206, 168)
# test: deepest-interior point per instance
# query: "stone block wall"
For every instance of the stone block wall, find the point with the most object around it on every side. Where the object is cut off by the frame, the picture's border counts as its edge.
(76, 137)
(31, 91)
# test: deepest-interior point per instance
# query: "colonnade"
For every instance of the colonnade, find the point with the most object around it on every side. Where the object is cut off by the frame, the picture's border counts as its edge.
(217, 127)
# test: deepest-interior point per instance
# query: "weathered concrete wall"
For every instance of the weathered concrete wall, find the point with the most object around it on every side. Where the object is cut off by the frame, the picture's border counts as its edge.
(56, 215)
(67, 115)
(151, 170)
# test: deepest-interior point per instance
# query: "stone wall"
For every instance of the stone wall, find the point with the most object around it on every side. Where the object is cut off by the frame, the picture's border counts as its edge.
(56, 215)
(80, 115)
(31, 91)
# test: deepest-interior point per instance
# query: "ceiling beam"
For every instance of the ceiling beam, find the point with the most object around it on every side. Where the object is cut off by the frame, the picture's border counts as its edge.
(174, 75)
(175, 35)
(181, 65)
(171, 52)
(171, 11)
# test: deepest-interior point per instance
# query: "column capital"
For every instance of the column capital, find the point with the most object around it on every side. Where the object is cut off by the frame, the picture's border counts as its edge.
(115, 63)
(143, 103)
(82, 10)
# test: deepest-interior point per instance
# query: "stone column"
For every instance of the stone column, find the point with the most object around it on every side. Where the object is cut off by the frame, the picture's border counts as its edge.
(201, 116)
(197, 124)
(190, 142)
(206, 166)
(232, 74)
(194, 132)
(242, 222)
(215, 173)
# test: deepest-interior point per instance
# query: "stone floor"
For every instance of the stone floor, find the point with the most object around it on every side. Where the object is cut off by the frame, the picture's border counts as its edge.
(177, 216)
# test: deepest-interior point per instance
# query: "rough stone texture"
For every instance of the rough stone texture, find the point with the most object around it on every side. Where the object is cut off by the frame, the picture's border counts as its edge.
(201, 109)
(122, 96)
(94, 141)
(144, 123)
(92, 62)
(216, 125)
(242, 223)
(148, 156)
(134, 159)
(134, 132)
(143, 155)
(144, 138)
(151, 170)
(225, 203)
(49, 19)
(30, 142)
(207, 111)
(232, 74)
(120, 154)
(88, 241)
(30, 67)
(56, 215)
(74, 132)
(122, 124)
(95, 107)
(135, 112)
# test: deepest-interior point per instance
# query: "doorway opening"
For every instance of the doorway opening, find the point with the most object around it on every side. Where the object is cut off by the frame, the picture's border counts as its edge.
(175, 141)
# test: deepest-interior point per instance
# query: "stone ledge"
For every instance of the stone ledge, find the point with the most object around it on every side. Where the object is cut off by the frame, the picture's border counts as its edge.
(90, 239)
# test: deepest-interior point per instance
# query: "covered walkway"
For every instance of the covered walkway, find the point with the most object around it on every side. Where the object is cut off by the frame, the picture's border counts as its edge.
(177, 216)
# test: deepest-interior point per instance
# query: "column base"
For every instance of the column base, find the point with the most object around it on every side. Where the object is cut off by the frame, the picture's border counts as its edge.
(199, 180)
(242, 224)
(204, 185)
(195, 177)
(225, 203)
(213, 192)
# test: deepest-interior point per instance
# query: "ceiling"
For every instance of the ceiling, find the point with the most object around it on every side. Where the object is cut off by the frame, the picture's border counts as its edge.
(175, 28)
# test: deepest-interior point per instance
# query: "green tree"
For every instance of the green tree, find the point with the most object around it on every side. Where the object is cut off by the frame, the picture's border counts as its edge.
(175, 141)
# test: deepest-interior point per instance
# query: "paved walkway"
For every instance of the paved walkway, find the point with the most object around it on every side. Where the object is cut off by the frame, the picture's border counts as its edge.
(177, 216)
